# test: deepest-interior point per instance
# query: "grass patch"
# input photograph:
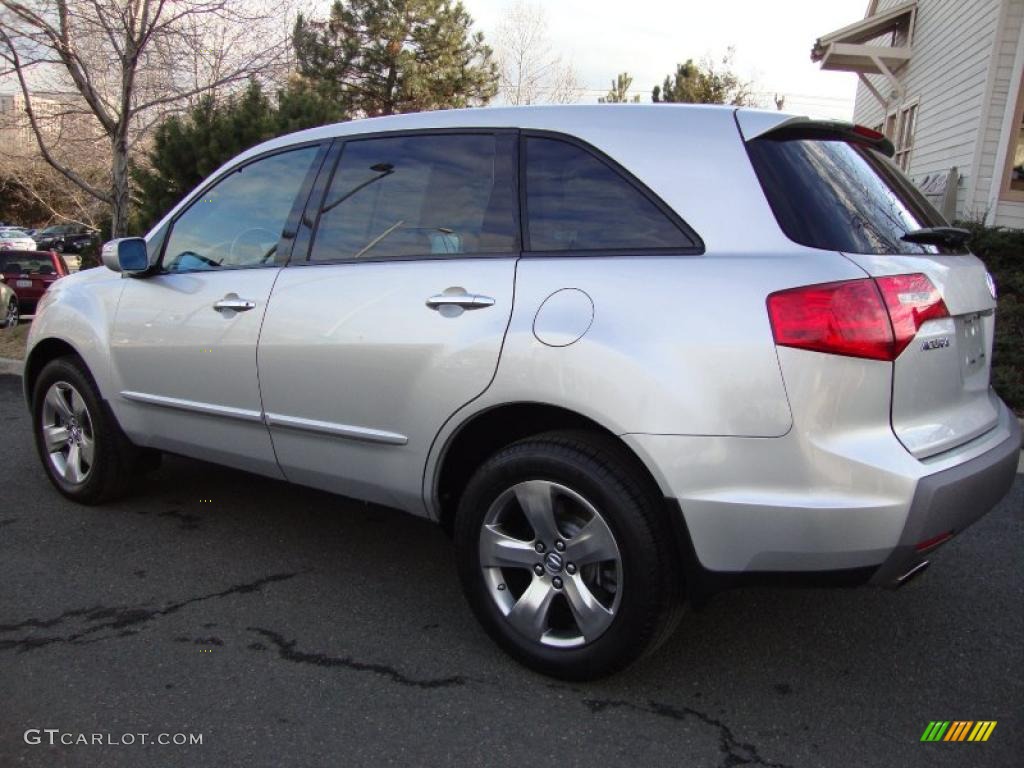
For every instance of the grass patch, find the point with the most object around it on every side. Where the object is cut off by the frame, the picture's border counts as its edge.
(12, 341)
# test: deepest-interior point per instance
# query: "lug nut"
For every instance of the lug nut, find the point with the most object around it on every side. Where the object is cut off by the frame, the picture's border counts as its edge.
(556, 582)
(538, 569)
(560, 545)
(539, 546)
(570, 568)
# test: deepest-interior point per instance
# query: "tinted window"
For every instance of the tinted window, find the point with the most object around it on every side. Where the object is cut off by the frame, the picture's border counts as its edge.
(575, 201)
(841, 196)
(239, 221)
(25, 262)
(419, 196)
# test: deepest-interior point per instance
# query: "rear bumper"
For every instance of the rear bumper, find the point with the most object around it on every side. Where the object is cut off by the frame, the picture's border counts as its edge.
(819, 503)
(947, 502)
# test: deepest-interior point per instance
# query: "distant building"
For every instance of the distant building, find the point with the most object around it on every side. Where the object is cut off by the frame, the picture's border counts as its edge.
(942, 79)
(59, 117)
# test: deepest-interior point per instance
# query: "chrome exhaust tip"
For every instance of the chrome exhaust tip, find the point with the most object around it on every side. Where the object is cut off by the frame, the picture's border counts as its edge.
(913, 572)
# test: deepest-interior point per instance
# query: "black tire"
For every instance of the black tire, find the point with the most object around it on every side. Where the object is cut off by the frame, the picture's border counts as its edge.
(603, 473)
(115, 460)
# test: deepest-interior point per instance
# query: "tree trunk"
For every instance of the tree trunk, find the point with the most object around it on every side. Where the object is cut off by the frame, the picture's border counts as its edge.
(119, 191)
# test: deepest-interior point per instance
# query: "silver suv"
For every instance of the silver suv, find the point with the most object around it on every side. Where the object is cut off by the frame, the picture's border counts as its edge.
(628, 355)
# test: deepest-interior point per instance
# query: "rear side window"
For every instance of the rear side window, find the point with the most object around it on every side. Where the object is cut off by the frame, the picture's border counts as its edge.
(420, 196)
(577, 202)
(841, 196)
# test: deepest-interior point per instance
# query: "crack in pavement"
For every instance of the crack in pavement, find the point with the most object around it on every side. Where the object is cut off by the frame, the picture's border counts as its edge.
(286, 650)
(118, 618)
(8, 521)
(734, 752)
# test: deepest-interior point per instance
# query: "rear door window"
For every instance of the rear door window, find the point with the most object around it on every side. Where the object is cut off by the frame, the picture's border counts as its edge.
(420, 196)
(840, 196)
(575, 201)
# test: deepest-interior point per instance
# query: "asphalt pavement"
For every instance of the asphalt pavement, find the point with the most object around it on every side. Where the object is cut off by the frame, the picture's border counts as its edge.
(285, 626)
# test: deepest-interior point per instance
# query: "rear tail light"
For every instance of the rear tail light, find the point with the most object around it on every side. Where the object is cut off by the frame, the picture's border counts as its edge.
(872, 318)
(912, 300)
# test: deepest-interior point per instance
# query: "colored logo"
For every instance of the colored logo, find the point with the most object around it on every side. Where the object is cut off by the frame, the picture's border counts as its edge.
(958, 730)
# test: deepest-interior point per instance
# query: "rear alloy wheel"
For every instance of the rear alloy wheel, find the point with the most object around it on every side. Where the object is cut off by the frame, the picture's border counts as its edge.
(565, 555)
(565, 549)
(12, 316)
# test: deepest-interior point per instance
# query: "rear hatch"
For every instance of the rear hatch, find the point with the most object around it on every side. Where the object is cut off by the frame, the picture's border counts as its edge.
(832, 186)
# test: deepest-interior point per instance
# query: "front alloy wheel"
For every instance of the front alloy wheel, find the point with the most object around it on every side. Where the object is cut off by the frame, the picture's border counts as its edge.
(68, 433)
(86, 455)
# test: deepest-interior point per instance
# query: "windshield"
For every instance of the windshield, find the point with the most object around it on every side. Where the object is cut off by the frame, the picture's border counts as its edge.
(841, 196)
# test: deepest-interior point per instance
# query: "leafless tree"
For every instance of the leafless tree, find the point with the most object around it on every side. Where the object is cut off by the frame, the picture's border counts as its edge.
(122, 65)
(532, 71)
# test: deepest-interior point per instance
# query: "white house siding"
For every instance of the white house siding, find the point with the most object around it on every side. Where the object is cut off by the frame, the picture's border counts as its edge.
(948, 73)
(1008, 64)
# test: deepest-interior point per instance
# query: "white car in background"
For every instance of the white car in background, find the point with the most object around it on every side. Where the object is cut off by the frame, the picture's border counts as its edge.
(14, 239)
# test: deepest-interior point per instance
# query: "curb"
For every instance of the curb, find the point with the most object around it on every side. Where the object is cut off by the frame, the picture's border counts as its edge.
(11, 365)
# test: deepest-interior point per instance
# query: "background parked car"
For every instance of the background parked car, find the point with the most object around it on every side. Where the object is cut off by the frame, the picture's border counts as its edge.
(67, 238)
(9, 313)
(30, 274)
(14, 239)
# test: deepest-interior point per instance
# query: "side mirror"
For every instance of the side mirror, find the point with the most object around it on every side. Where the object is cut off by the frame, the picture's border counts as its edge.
(126, 254)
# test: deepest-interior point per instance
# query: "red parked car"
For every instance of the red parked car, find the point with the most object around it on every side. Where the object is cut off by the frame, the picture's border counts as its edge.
(30, 274)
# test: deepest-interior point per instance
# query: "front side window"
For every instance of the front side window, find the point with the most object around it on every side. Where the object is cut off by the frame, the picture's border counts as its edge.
(420, 196)
(239, 221)
(575, 201)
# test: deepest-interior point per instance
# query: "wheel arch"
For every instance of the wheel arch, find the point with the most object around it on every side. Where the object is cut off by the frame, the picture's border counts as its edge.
(42, 353)
(484, 432)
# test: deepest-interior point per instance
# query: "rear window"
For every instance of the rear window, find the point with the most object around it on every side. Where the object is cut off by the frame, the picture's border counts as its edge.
(22, 263)
(841, 196)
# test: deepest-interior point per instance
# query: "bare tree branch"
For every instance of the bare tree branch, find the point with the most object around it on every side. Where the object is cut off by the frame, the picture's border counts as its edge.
(67, 172)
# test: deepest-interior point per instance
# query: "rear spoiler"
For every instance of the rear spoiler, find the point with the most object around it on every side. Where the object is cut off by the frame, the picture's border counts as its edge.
(755, 124)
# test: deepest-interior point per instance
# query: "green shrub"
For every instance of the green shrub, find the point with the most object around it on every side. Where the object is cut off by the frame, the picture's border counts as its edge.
(1002, 250)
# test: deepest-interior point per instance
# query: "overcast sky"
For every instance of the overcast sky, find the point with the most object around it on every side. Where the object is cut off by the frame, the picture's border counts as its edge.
(648, 37)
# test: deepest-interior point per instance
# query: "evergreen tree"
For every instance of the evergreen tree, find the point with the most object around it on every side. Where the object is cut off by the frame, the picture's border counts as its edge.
(704, 83)
(188, 148)
(619, 93)
(381, 57)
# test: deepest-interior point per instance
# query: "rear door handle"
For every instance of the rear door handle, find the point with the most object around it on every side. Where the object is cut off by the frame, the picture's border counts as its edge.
(233, 303)
(462, 299)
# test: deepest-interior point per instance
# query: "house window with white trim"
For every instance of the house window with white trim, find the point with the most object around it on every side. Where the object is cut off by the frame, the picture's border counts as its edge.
(1013, 182)
(904, 138)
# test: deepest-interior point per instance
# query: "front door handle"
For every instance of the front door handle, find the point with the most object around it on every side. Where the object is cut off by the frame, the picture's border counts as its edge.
(233, 303)
(458, 298)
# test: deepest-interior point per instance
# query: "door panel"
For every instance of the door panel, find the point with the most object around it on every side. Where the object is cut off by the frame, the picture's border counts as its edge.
(398, 318)
(184, 341)
(358, 373)
(187, 372)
